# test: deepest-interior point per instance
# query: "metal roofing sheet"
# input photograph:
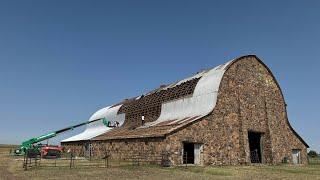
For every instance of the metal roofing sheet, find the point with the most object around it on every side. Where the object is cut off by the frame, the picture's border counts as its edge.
(97, 128)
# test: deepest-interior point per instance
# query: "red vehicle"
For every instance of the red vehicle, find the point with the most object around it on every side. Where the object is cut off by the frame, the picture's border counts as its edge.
(51, 152)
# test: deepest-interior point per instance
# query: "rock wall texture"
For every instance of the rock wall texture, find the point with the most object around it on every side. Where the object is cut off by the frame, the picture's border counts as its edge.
(249, 99)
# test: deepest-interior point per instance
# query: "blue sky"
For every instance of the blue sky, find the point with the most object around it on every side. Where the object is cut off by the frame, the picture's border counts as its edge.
(60, 61)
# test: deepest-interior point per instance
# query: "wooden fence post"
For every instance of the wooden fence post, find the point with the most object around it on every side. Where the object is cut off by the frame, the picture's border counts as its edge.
(71, 156)
(25, 161)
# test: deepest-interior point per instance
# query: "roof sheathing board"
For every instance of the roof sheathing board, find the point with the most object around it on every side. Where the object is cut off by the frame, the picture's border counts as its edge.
(202, 101)
(197, 75)
(149, 106)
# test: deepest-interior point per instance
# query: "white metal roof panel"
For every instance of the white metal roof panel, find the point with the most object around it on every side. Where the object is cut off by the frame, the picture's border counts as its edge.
(97, 128)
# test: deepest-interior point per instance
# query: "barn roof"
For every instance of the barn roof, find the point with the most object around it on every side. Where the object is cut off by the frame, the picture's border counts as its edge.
(165, 109)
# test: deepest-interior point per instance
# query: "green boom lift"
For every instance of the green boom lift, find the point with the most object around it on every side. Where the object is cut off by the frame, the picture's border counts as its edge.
(29, 144)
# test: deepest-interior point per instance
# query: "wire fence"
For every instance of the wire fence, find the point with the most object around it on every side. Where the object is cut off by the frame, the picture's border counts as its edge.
(314, 160)
(6, 150)
(33, 160)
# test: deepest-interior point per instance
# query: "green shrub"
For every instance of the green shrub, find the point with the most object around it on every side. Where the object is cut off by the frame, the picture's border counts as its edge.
(312, 154)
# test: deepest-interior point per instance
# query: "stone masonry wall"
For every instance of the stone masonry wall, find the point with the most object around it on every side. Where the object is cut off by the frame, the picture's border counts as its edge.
(121, 149)
(262, 109)
(249, 100)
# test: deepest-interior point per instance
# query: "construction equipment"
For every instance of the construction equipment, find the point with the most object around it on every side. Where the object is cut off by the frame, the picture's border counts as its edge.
(47, 150)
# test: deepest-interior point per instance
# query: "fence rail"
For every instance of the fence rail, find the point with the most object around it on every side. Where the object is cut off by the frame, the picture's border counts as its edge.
(314, 160)
(32, 160)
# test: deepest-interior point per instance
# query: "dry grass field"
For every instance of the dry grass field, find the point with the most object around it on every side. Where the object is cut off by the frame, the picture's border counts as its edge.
(11, 168)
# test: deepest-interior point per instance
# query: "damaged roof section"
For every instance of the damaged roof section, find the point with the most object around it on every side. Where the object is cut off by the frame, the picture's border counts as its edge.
(164, 109)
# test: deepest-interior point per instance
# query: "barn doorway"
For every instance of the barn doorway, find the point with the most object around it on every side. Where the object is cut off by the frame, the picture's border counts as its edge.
(192, 153)
(255, 147)
(188, 153)
(296, 157)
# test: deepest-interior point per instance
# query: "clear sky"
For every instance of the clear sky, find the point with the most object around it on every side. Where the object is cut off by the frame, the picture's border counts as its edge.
(60, 61)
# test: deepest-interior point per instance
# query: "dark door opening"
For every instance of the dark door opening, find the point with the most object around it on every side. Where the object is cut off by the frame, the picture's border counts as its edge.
(188, 153)
(255, 146)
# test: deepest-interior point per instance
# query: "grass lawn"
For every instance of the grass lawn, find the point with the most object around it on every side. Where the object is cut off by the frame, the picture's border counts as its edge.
(11, 168)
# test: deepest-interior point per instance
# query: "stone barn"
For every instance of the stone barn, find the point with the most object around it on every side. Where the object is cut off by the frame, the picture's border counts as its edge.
(232, 114)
